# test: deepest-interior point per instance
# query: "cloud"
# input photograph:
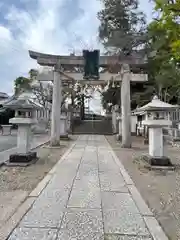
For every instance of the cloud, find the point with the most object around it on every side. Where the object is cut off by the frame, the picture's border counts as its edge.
(50, 26)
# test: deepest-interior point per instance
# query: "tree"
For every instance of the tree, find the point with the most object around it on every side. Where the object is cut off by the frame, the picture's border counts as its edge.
(111, 96)
(43, 92)
(168, 21)
(122, 25)
(163, 65)
(22, 84)
(33, 73)
(122, 31)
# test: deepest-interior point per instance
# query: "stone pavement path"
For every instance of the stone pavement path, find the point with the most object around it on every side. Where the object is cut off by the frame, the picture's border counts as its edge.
(89, 196)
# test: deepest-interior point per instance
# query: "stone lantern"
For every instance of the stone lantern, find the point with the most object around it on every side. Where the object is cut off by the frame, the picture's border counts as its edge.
(157, 116)
(24, 119)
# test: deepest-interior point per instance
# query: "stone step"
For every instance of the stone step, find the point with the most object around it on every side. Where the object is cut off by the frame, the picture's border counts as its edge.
(94, 127)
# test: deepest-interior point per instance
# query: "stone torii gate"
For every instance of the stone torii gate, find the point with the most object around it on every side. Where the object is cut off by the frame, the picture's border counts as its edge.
(65, 67)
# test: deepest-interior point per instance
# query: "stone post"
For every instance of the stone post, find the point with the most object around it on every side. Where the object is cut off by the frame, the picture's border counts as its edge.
(24, 138)
(119, 135)
(63, 127)
(69, 121)
(24, 141)
(113, 119)
(156, 142)
(126, 107)
(133, 124)
(56, 111)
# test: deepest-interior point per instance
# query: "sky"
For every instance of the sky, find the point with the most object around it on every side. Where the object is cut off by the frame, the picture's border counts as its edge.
(49, 26)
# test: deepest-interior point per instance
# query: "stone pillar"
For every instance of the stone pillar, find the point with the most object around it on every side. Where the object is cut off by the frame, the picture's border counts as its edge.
(24, 138)
(63, 127)
(156, 142)
(56, 111)
(113, 120)
(68, 121)
(119, 135)
(126, 107)
(133, 124)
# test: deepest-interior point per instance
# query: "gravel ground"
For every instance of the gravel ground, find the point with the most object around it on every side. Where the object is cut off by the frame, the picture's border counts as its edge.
(17, 182)
(160, 189)
(26, 178)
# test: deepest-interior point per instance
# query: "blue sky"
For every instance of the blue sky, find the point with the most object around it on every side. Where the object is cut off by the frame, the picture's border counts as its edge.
(52, 26)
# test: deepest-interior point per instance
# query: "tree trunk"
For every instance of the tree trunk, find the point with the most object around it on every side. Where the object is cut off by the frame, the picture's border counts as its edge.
(82, 108)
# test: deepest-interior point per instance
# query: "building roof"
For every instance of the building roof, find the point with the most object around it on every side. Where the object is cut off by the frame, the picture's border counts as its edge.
(3, 95)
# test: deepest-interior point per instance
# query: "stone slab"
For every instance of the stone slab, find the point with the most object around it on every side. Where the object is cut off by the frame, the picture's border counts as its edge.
(47, 211)
(8, 227)
(33, 234)
(45, 217)
(62, 180)
(87, 173)
(87, 183)
(82, 224)
(68, 168)
(112, 182)
(85, 198)
(124, 222)
(119, 201)
(58, 185)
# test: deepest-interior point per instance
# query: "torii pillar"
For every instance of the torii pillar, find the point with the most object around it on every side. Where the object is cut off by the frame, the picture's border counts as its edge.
(56, 110)
(126, 106)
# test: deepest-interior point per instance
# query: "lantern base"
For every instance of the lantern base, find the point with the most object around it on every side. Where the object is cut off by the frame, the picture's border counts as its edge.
(22, 159)
(64, 137)
(159, 161)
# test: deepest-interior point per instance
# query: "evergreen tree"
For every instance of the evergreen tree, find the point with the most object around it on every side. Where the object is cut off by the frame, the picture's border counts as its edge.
(122, 25)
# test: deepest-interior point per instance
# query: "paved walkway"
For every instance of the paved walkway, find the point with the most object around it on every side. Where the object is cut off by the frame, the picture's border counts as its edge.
(7, 142)
(88, 195)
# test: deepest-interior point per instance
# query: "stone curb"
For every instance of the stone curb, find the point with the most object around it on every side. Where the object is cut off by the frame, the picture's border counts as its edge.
(41, 185)
(155, 229)
(151, 222)
(142, 206)
(124, 173)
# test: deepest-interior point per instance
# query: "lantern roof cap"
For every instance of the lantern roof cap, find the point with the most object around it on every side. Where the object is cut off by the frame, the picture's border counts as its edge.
(157, 105)
(22, 102)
